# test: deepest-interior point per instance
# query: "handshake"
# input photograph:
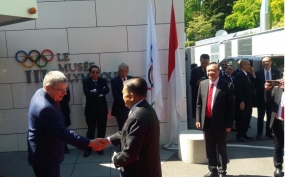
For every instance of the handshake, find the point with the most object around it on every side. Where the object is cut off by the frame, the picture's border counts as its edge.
(98, 144)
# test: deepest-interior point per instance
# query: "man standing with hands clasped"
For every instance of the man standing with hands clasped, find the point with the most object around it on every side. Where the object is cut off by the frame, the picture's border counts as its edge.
(214, 115)
(139, 138)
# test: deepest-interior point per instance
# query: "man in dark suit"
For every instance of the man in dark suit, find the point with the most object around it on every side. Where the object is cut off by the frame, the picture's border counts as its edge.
(237, 70)
(277, 102)
(119, 110)
(197, 75)
(244, 82)
(96, 109)
(215, 112)
(139, 138)
(266, 73)
(228, 74)
(223, 65)
(47, 133)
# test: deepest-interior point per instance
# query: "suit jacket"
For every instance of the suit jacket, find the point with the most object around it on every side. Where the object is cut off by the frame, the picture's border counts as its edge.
(118, 107)
(221, 73)
(260, 81)
(244, 88)
(275, 101)
(222, 108)
(196, 74)
(235, 72)
(95, 101)
(225, 77)
(139, 141)
(47, 132)
(65, 108)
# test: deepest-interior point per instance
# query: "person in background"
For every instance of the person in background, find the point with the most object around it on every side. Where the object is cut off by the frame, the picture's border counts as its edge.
(266, 73)
(224, 65)
(95, 89)
(197, 75)
(237, 70)
(47, 133)
(66, 112)
(277, 102)
(119, 110)
(228, 74)
(194, 65)
(244, 83)
(215, 112)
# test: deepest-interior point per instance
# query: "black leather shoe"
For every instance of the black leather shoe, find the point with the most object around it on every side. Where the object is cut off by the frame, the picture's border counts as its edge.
(258, 136)
(100, 152)
(87, 153)
(247, 137)
(222, 174)
(212, 174)
(241, 139)
(278, 173)
(67, 151)
(269, 136)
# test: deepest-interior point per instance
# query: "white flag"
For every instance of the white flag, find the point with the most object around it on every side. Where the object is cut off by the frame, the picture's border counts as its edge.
(153, 75)
(175, 84)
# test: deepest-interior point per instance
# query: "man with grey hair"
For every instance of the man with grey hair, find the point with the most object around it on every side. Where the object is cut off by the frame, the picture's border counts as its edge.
(119, 110)
(47, 133)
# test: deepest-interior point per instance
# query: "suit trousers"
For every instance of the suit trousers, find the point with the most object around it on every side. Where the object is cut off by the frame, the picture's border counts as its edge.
(278, 129)
(99, 119)
(243, 120)
(215, 142)
(263, 107)
(50, 172)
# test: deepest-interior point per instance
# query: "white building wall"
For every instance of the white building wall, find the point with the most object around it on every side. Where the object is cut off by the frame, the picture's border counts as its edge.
(205, 49)
(105, 32)
(221, 52)
(234, 47)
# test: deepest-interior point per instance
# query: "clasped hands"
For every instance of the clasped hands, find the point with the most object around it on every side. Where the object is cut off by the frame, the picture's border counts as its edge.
(99, 144)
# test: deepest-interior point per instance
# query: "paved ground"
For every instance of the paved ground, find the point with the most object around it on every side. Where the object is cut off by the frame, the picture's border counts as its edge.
(251, 159)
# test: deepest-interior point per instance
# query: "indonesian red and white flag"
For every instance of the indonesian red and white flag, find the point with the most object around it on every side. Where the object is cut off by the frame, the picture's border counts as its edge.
(175, 84)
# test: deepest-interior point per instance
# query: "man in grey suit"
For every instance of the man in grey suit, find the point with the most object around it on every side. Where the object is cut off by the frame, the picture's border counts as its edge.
(214, 115)
(139, 138)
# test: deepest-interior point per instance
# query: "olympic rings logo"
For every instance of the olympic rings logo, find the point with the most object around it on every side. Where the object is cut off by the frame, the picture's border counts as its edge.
(36, 58)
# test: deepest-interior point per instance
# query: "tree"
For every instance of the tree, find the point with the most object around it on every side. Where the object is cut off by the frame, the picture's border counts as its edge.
(199, 28)
(277, 8)
(245, 15)
(191, 7)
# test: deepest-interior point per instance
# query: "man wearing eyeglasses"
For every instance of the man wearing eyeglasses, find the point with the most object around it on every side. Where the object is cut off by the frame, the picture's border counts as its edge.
(47, 133)
(95, 88)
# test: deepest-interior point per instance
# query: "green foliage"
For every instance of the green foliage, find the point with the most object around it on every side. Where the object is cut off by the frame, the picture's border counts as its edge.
(189, 43)
(191, 7)
(277, 8)
(199, 28)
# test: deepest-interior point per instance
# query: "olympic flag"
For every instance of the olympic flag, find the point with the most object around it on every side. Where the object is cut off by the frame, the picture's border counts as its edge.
(153, 75)
(175, 84)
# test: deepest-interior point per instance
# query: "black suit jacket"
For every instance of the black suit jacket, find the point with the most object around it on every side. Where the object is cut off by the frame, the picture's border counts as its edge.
(196, 74)
(244, 88)
(223, 105)
(139, 139)
(260, 81)
(65, 108)
(275, 101)
(95, 102)
(118, 107)
(47, 133)
(226, 77)
(235, 72)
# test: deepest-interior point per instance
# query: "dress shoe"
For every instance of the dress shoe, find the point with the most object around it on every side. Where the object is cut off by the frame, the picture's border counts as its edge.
(278, 173)
(87, 153)
(258, 136)
(212, 174)
(67, 151)
(222, 174)
(241, 139)
(269, 136)
(100, 152)
(247, 137)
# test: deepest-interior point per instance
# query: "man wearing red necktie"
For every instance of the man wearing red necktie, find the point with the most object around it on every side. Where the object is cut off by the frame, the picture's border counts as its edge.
(214, 115)
(277, 103)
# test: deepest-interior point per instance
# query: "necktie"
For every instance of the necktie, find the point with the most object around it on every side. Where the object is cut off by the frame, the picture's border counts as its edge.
(209, 101)
(95, 83)
(267, 75)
